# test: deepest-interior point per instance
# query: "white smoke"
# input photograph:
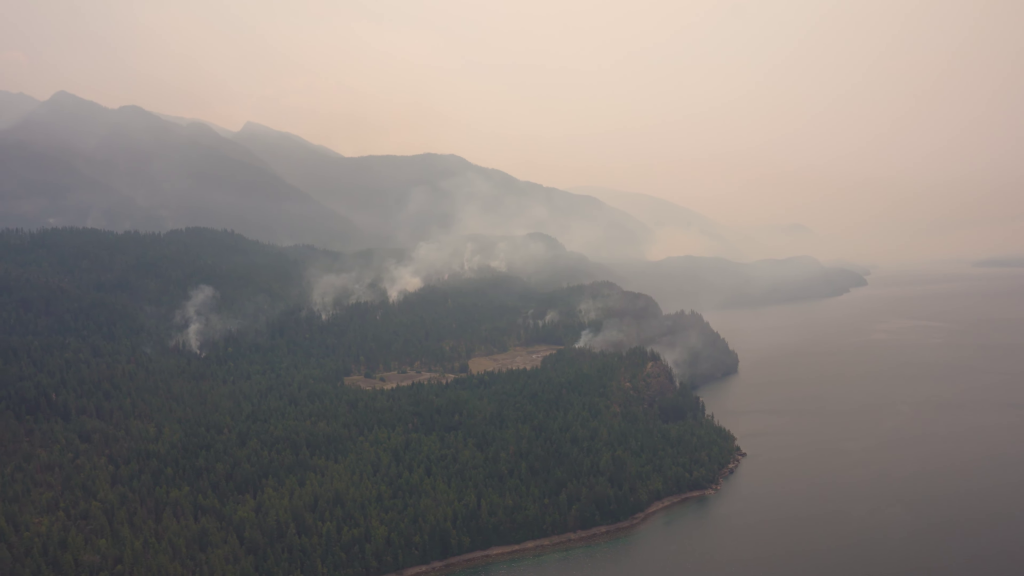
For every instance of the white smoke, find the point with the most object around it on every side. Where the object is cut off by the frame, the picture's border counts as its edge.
(617, 334)
(589, 310)
(463, 256)
(347, 288)
(620, 334)
(586, 339)
(534, 257)
(470, 202)
(683, 340)
(201, 322)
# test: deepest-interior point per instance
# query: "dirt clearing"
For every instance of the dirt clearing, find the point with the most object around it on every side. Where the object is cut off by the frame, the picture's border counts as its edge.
(514, 358)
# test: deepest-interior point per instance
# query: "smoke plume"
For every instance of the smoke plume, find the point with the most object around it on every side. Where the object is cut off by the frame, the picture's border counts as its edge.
(537, 258)
(329, 290)
(626, 319)
(199, 319)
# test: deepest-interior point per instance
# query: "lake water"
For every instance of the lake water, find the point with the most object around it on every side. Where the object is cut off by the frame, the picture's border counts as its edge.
(885, 432)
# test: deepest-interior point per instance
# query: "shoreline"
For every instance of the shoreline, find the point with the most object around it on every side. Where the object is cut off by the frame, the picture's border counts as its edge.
(578, 538)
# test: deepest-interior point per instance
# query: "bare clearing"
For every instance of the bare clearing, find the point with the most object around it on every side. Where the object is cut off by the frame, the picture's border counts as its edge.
(392, 379)
(529, 357)
(514, 358)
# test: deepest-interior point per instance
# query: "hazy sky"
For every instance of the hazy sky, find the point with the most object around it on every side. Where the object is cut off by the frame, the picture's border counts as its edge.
(893, 127)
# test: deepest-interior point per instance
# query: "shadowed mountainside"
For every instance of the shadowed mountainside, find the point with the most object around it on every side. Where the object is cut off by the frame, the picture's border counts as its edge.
(73, 162)
(14, 106)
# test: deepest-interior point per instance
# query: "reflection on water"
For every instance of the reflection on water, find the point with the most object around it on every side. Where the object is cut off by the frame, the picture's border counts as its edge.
(885, 435)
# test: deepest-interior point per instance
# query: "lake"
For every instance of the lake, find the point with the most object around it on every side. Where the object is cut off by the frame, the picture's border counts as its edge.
(885, 433)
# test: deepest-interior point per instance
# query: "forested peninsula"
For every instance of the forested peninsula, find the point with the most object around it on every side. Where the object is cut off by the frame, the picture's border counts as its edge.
(174, 404)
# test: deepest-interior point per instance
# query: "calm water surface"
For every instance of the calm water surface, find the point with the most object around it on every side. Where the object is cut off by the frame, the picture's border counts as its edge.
(885, 432)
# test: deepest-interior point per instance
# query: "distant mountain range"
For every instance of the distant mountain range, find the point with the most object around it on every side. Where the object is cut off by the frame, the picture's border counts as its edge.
(677, 283)
(413, 198)
(680, 231)
(674, 227)
(71, 162)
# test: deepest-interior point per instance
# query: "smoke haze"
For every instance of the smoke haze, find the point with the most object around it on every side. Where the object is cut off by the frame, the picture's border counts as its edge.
(891, 129)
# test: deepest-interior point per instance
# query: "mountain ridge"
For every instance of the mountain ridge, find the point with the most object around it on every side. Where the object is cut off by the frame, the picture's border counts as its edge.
(424, 196)
(14, 106)
(158, 172)
(674, 226)
(174, 176)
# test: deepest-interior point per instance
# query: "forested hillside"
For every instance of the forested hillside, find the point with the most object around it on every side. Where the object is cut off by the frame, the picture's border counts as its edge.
(151, 426)
(222, 295)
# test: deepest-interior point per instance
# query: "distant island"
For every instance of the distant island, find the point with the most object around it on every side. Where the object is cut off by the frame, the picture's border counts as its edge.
(177, 402)
(1006, 262)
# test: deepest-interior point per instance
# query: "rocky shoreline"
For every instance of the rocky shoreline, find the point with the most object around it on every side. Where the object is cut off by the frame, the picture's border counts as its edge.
(577, 538)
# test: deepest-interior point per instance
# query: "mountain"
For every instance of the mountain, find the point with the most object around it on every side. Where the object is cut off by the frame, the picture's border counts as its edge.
(654, 211)
(677, 230)
(186, 121)
(410, 199)
(70, 161)
(14, 107)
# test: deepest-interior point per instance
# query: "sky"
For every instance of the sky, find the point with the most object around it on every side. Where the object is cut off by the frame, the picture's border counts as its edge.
(892, 129)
